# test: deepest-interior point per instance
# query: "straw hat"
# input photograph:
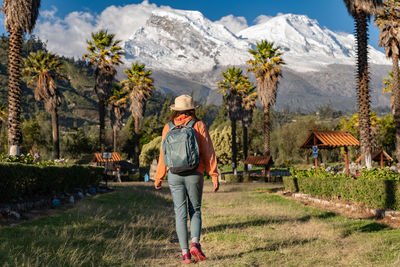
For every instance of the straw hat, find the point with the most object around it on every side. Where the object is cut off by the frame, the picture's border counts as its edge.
(182, 103)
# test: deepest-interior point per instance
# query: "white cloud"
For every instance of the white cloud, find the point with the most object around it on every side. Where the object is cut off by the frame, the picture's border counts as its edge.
(261, 19)
(234, 24)
(68, 36)
(49, 14)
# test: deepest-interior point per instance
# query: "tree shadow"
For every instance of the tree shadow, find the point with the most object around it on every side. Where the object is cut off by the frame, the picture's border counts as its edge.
(272, 246)
(390, 194)
(257, 222)
(367, 228)
(296, 184)
(326, 215)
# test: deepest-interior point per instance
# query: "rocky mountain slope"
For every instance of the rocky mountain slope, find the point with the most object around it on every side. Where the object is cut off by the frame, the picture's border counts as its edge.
(187, 52)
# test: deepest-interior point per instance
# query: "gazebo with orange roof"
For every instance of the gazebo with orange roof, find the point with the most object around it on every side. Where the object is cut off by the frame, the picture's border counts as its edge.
(330, 140)
(379, 156)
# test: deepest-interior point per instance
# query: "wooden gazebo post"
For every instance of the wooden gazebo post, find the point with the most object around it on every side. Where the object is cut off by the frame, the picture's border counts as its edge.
(315, 159)
(346, 159)
(382, 160)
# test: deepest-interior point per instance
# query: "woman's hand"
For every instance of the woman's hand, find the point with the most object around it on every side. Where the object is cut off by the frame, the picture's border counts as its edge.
(216, 186)
(157, 185)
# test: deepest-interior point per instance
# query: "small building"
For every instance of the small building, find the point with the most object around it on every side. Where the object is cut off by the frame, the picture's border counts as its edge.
(379, 156)
(99, 161)
(331, 140)
(265, 161)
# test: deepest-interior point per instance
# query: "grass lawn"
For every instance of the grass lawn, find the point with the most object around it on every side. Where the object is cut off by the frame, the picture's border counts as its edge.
(242, 226)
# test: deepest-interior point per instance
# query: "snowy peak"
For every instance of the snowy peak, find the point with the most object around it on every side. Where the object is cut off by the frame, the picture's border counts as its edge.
(186, 41)
(298, 34)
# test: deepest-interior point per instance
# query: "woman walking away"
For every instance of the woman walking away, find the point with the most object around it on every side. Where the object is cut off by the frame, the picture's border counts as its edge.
(186, 152)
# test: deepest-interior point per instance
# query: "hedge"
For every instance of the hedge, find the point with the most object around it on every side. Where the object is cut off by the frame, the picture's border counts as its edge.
(22, 180)
(231, 178)
(374, 193)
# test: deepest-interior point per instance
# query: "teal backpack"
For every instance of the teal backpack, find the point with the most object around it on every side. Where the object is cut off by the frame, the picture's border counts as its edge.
(180, 149)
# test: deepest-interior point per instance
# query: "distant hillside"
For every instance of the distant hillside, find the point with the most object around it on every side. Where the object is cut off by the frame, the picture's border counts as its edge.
(305, 91)
(79, 102)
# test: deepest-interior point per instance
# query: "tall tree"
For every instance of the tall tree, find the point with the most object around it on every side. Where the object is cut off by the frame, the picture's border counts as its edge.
(266, 65)
(104, 53)
(3, 115)
(361, 11)
(139, 86)
(232, 87)
(3, 118)
(44, 69)
(388, 87)
(119, 103)
(388, 21)
(19, 17)
(248, 104)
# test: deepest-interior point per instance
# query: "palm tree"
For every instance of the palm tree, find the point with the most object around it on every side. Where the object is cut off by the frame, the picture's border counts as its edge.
(45, 69)
(388, 21)
(3, 117)
(266, 65)
(139, 87)
(119, 103)
(232, 87)
(104, 53)
(19, 17)
(248, 105)
(388, 87)
(361, 10)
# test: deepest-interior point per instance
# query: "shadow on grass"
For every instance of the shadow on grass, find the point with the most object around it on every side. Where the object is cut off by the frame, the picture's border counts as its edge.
(366, 228)
(326, 215)
(273, 246)
(256, 222)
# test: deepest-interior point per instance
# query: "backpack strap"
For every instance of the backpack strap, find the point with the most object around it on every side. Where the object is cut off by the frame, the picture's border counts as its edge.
(191, 123)
(171, 125)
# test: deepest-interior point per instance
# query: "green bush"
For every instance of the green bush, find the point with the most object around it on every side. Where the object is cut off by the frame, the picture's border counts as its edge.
(22, 180)
(290, 184)
(374, 193)
(150, 151)
(132, 178)
(231, 178)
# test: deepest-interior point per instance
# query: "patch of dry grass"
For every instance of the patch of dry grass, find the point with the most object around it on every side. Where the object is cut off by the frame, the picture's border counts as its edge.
(242, 226)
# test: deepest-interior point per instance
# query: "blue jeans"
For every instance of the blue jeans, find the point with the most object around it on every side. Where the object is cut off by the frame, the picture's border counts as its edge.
(186, 194)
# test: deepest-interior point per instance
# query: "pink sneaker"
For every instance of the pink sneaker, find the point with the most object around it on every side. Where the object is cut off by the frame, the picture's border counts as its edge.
(186, 259)
(196, 252)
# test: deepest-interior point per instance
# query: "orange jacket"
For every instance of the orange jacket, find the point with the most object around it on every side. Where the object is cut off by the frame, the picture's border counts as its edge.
(208, 161)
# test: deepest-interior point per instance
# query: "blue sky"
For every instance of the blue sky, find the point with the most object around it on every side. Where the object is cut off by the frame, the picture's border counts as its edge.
(329, 13)
(65, 23)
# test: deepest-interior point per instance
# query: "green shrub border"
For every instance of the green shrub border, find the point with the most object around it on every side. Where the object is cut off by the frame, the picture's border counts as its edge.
(231, 178)
(23, 181)
(373, 193)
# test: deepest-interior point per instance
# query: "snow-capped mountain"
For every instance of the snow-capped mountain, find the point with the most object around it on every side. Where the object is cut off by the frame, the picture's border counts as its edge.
(187, 42)
(305, 44)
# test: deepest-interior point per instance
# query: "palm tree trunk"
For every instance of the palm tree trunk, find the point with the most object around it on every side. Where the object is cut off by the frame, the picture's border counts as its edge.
(234, 149)
(136, 143)
(267, 130)
(363, 88)
(54, 125)
(396, 102)
(102, 133)
(115, 137)
(14, 92)
(246, 169)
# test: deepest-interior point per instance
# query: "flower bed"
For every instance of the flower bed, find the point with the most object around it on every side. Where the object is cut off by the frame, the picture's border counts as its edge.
(375, 188)
(27, 180)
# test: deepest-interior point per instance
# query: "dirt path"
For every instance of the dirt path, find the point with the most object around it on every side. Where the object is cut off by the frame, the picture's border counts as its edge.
(243, 225)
